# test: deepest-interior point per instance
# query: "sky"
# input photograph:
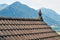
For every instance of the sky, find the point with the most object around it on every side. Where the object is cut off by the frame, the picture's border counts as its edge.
(37, 4)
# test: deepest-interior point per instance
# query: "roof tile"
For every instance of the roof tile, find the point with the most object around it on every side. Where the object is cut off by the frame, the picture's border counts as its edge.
(26, 29)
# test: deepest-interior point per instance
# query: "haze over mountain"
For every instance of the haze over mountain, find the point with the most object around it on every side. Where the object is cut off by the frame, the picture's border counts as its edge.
(51, 18)
(51, 15)
(2, 6)
(18, 10)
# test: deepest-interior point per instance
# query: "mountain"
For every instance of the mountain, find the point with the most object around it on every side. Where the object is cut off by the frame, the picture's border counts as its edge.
(18, 10)
(50, 15)
(51, 18)
(2, 6)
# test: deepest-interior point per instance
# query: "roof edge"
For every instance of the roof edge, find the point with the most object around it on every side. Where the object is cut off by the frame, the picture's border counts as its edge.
(24, 19)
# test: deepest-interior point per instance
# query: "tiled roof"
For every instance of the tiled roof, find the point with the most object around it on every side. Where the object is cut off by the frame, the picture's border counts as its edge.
(26, 29)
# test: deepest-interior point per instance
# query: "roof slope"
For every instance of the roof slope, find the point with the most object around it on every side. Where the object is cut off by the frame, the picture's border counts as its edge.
(26, 29)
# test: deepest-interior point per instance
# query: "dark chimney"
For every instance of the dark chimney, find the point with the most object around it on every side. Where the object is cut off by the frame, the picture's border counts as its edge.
(40, 15)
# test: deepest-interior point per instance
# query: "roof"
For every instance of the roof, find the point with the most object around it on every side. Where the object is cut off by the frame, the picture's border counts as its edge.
(26, 29)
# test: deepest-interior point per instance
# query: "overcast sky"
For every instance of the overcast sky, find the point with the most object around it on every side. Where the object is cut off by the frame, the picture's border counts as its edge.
(37, 4)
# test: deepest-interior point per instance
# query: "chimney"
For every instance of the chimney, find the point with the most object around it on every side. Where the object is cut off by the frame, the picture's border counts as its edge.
(40, 15)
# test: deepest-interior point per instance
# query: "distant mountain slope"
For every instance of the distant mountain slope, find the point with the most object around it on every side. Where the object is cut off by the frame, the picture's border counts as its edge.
(19, 10)
(51, 18)
(51, 13)
(2, 6)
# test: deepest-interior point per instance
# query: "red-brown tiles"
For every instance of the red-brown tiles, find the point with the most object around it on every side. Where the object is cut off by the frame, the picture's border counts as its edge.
(26, 29)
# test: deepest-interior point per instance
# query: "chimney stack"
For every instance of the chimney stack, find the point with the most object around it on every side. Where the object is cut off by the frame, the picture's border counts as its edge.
(40, 15)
